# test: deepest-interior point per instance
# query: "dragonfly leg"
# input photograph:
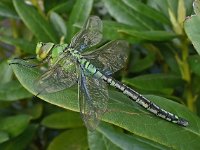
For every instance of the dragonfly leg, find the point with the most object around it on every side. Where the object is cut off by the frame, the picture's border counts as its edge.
(26, 58)
(25, 65)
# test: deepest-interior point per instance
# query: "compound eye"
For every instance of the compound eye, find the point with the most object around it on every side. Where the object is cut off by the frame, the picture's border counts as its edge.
(43, 49)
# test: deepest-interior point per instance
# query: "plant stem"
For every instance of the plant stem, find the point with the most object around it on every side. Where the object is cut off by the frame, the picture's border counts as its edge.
(185, 72)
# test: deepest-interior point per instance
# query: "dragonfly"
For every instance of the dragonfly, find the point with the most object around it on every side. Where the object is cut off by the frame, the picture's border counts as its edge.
(69, 64)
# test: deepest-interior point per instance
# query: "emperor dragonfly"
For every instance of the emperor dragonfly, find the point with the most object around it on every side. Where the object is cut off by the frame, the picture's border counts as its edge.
(71, 63)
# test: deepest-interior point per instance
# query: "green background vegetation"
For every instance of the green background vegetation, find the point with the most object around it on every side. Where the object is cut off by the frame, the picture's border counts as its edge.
(163, 65)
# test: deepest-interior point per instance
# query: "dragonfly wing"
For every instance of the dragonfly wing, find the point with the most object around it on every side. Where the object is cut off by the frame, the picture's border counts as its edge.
(90, 35)
(61, 76)
(93, 99)
(110, 57)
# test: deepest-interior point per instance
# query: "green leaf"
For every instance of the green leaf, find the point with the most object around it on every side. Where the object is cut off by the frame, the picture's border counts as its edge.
(62, 120)
(78, 16)
(147, 11)
(196, 7)
(35, 111)
(75, 139)
(124, 113)
(126, 141)
(64, 7)
(58, 23)
(98, 141)
(5, 73)
(111, 32)
(8, 12)
(169, 55)
(14, 125)
(25, 45)
(13, 91)
(192, 30)
(150, 35)
(3, 136)
(155, 82)
(37, 24)
(22, 141)
(125, 14)
(144, 63)
(194, 62)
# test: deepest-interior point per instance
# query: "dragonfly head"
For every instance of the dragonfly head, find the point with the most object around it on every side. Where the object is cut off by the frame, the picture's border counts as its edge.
(43, 50)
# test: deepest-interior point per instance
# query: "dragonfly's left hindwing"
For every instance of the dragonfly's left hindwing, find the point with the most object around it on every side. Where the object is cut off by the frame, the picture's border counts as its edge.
(60, 76)
(93, 99)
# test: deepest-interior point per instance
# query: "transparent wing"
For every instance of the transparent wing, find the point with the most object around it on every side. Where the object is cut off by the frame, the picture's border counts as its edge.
(93, 98)
(61, 76)
(110, 57)
(90, 35)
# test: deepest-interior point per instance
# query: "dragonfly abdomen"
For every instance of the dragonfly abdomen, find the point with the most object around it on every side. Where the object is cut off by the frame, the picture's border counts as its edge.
(144, 102)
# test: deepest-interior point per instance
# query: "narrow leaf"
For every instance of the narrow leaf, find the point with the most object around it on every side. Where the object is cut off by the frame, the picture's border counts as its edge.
(150, 35)
(147, 11)
(144, 63)
(25, 45)
(35, 22)
(124, 14)
(58, 23)
(155, 81)
(79, 15)
(125, 141)
(8, 12)
(111, 32)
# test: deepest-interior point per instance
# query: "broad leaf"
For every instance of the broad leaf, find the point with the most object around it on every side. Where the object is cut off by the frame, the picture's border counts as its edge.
(71, 139)
(62, 120)
(4, 136)
(194, 62)
(127, 141)
(22, 141)
(12, 91)
(14, 125)
(192, 29)
(125, 114)
(97, 141)
(5, 73)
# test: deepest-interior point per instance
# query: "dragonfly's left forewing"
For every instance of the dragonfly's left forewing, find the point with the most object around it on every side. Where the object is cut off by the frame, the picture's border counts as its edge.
(93, 99)
(61, 76)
